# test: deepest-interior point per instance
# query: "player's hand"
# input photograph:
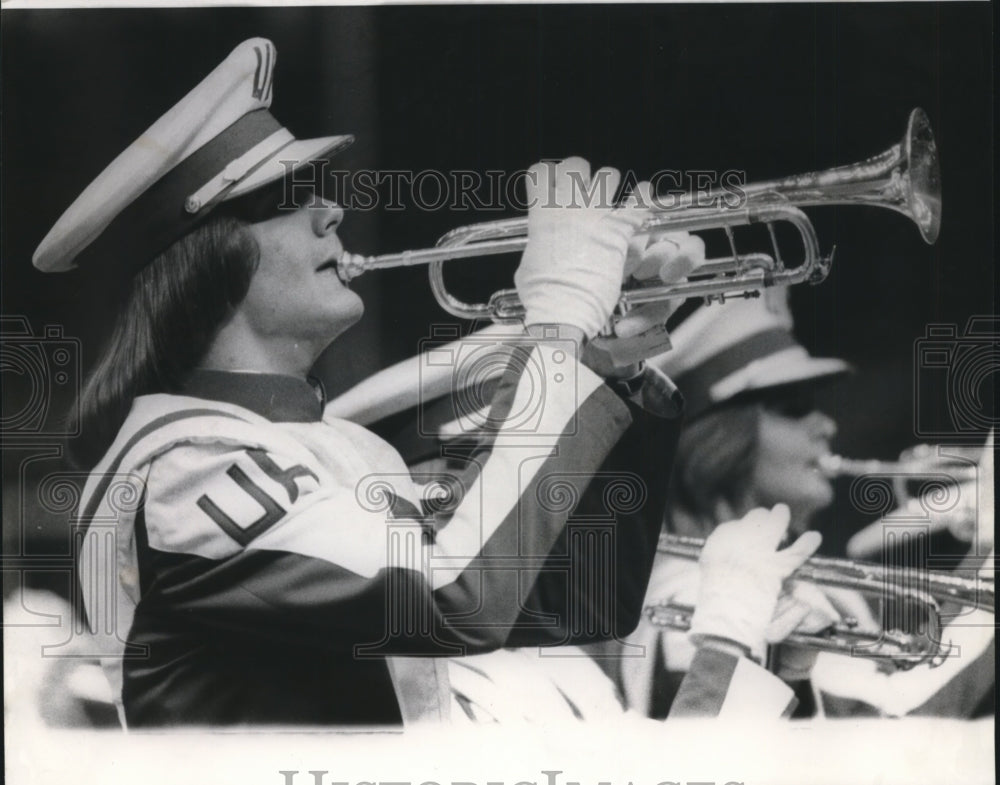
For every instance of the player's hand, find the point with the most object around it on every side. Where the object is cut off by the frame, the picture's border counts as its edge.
(742, 572)
(572, 268)
(664, 256)
(652, 260)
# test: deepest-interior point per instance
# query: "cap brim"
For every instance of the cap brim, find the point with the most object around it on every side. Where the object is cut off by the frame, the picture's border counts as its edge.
(780, 371)
(288, 159)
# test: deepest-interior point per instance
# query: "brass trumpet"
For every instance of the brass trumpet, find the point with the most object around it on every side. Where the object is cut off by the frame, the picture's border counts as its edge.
(904, 178)
(938, 492)
(918, 595)
(916, 460)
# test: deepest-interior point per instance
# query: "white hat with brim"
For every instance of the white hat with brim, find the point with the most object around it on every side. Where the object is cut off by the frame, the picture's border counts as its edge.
(217, 143)
(727, 351)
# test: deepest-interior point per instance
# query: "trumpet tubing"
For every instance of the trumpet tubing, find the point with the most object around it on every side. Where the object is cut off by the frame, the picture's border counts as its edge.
(863, 576)
(905, 649)
(909, 464)
(920, 592)
(904, 178)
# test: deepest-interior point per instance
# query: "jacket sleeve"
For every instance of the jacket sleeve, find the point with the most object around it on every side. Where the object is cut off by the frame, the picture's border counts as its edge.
(600, 567)
(729, 687)
(253, 541)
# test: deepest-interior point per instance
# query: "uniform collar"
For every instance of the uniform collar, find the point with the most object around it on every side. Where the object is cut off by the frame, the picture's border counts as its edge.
(276, 397)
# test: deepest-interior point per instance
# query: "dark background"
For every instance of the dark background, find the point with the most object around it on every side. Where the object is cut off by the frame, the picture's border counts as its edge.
(768, 89)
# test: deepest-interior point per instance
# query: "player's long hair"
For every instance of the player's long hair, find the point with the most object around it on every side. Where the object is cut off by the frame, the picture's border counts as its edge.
(715, 461)
(173, 309)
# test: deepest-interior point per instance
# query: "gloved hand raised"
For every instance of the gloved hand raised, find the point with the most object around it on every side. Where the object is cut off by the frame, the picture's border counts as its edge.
(662, 257)
(742, 572)
(572, 268)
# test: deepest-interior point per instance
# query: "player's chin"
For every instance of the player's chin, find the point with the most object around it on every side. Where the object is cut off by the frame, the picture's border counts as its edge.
(818, 491)
(354, 306)
(337, 311)
(346, 311)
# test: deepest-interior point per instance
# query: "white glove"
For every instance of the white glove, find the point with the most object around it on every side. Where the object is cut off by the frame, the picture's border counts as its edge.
(572, 268)
(653, 259)
(666, 256)
(741, 577)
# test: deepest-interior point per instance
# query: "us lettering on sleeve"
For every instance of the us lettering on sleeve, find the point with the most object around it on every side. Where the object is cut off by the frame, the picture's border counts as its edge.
(249, 479)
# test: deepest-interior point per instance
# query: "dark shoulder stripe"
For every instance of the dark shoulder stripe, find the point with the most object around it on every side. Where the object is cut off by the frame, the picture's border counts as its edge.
(704, 689)
(142, 433)
(510, 379)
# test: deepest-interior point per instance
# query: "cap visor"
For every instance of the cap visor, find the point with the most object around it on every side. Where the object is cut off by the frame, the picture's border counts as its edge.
(782, 372)
(288, 159)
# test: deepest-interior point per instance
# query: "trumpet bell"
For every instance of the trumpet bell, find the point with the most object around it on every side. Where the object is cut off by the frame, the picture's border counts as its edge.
(905, 178)
(924, 170)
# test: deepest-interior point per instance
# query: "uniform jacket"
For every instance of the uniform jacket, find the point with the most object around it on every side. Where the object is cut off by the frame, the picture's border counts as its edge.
(256, 563)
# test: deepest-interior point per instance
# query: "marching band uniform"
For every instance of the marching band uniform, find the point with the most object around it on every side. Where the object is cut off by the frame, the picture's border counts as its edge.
(257, 564)
(745, 348)
(253, 561)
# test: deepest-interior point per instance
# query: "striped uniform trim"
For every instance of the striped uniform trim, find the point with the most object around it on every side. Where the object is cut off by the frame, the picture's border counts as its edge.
(97, 495)
(517, 462)
(721, 685)
(263, 76)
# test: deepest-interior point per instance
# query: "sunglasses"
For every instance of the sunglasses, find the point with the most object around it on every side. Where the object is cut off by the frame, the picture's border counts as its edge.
(795, 404)
(277, 198)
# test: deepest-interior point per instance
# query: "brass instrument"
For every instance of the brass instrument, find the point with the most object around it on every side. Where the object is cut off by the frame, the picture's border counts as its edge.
(904, 178)
(937, 492)
(920, 459)
(918, 593)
